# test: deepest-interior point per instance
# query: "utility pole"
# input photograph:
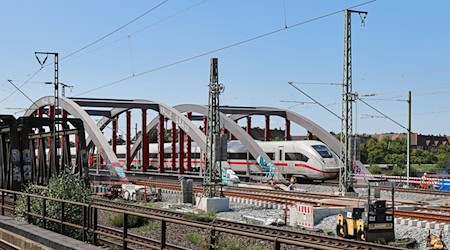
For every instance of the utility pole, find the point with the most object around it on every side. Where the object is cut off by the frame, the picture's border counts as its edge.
(346, 172)
(408, 143)
(55, 104)
(212, 179)
(64, 88)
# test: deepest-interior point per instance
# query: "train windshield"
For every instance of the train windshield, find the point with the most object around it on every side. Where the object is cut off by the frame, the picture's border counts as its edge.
(323, 151)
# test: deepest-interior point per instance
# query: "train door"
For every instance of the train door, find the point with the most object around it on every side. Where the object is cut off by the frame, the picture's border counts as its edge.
(280, 153)
(281, 158)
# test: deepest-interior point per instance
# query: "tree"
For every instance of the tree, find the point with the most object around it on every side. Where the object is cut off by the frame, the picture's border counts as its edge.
(64, 186)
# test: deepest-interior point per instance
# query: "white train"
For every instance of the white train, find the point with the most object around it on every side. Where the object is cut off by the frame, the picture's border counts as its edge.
(298, 159)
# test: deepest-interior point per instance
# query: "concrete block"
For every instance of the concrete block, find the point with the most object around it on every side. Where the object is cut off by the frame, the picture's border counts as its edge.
(219, 204)
(439, 226)
(404, 222)
(308, 216)
(446, 227)
(412, 223)
(430, 225)
(421, 224)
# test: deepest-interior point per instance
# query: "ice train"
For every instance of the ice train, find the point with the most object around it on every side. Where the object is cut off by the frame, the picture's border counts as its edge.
(307, 159)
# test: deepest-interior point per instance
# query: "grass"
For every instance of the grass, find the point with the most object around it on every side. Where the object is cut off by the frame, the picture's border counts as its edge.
(152, 204)
(426, 168)
(149, 226)
(133, 221)
(195, 238)
(209, 216)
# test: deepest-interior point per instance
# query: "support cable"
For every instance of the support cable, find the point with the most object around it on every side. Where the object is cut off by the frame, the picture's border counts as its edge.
(381, 113)
(314, 100)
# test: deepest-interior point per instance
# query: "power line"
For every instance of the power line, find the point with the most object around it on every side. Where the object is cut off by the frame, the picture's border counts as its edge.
(83, 48)
(319, 83)
(314, 100)
(381, 113)
(18, 88)
(10, 81)
(146, 27)
(114, 31)
(225, 47)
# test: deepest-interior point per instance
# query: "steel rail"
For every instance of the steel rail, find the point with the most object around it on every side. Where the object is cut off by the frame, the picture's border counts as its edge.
(310, 238)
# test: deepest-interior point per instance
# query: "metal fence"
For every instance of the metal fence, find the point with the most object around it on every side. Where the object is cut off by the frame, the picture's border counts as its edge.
(91, 230)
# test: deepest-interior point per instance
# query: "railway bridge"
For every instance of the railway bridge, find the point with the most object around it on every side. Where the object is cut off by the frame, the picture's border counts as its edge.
(181, 116)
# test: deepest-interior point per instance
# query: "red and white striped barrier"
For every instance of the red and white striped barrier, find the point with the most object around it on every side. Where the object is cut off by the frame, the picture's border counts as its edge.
(403, 179)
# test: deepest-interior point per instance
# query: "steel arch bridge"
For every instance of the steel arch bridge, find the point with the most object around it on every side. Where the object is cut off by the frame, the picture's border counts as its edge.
(181, 116)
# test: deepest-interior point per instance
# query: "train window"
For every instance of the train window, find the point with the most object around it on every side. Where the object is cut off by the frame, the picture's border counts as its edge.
(195, 155)
(295, 157)
(120, 155)
(323, 151)
(167, 155)
(241, 156)
(152, 155)
(271, 156)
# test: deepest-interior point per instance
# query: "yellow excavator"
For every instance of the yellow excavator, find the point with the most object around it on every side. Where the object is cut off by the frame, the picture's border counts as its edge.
(434, 242)
(373, 223)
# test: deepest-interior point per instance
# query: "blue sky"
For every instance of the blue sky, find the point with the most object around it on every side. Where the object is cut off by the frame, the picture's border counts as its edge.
(403, 46)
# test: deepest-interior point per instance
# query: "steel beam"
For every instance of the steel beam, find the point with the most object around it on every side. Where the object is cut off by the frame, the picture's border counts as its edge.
(188, 147)
(114, 134)
(128, 145)
(287, 135)
(144, 141)
(181, 151)
(267, 130)
(173, 146)
(160, 143)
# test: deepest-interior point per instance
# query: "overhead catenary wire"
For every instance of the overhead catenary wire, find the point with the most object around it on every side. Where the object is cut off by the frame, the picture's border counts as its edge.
(114, 31)
(10, 81)
(381, 113)
(319, 83)
(314, 100)
(18, 88)
(81, 49)
(224, 48)
(144, 28)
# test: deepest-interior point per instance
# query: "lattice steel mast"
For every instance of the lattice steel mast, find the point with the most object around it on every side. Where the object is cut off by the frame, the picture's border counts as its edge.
(346, 173)
(212, 180)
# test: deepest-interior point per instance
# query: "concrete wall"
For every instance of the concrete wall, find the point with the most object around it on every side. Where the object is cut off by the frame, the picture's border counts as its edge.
(308, 216)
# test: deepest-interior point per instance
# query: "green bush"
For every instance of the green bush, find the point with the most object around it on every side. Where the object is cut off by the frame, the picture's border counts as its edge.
(133, 221)
(64, 186)
(210, 216)
(397, 171)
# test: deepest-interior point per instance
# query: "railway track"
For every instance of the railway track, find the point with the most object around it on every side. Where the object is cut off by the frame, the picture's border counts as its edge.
(311, 238)
(426, 216)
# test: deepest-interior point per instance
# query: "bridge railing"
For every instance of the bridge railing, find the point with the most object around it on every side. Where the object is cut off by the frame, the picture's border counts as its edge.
(43, 216)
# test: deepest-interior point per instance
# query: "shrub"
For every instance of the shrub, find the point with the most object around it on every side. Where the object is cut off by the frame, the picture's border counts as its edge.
(64, 186)
(397, 171)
